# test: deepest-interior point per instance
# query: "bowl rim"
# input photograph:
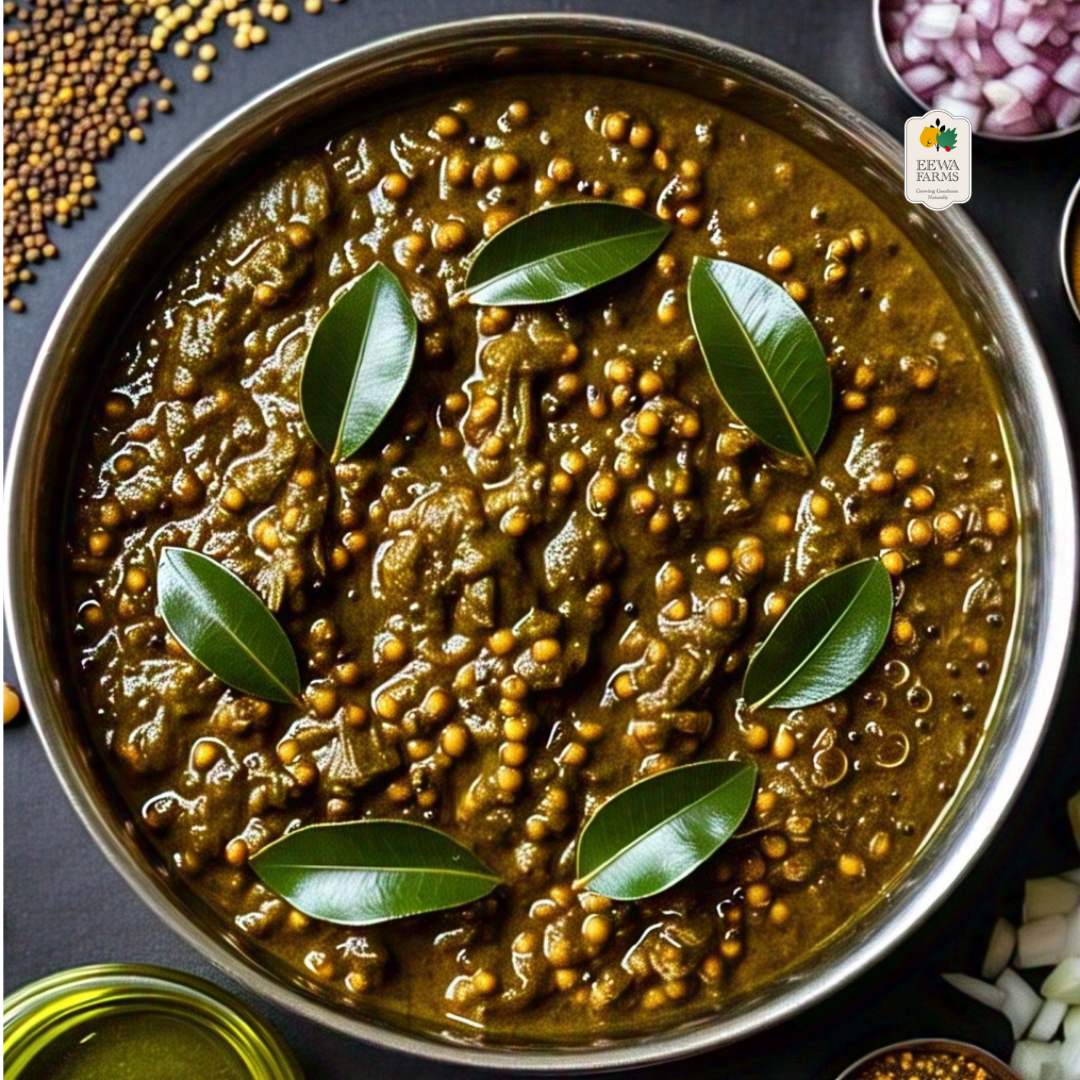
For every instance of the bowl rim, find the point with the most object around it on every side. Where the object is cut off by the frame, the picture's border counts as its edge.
(926, 106)
(1060, 510)
(935, 1044)
(1070, 230)
(32, 1018)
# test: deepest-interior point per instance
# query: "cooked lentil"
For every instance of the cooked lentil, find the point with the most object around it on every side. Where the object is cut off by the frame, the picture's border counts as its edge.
(499, 629)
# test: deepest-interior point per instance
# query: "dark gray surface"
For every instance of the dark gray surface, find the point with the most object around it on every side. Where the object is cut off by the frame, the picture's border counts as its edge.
(63, 904)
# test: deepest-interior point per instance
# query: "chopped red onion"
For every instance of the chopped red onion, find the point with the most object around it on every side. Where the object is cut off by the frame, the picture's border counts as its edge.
(961, 55)
(916, 49)
(1013, 13)
(1012, 49)
(1030, 81)
(925, 77)
(1035, 29)
(1068, 75)
(959, 107)
(936, 21)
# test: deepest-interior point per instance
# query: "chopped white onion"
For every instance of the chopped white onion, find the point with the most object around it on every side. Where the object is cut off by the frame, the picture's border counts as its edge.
(985, 993)
(1029, 1058)
(1063, 983)
(1000, 950)
(1072, 933)
(1049, 896)
(1070, 1059)
(1048, 1021)
(1041, 943)
(1021, 1005)
(1072, 1024)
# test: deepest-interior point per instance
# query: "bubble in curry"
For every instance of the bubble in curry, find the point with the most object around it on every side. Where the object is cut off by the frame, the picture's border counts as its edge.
(543, 577)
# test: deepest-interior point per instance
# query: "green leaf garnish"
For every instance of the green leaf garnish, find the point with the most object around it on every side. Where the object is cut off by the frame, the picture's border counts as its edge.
(763, 354)
(357, 363)
(560, 251)
(225, 626)
(825, 640)
(652, 834)
(364, 872)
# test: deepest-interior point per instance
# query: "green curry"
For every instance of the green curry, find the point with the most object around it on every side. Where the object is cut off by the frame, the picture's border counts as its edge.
(543, 578)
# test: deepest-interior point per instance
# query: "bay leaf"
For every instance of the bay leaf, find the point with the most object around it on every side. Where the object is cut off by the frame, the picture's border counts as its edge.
(363, 872)
(560, 251)
(225, 626)
(763, 354)
(357, 363)
(825, 640)
(652, 834)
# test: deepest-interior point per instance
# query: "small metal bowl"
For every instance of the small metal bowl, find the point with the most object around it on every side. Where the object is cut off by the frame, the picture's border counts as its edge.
(925, 106)
(997, 1069)
(181, 202)
(1070, 242)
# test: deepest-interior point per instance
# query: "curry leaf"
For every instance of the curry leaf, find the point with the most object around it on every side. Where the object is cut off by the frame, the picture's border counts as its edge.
(825, 640)
(560, 251)
(763, 354)
(363, 872)
(225, 626)
(652, 834)
(357, 363)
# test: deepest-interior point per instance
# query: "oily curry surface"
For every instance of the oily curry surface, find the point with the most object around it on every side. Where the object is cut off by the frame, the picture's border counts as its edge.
(542, 579)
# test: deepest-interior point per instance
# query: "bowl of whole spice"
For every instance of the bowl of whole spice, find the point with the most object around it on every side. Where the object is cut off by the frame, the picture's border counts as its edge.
(929, 1059)
(80, 80)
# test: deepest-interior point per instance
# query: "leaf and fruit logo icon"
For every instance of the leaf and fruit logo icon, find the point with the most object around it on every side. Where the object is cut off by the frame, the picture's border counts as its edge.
(938, 136)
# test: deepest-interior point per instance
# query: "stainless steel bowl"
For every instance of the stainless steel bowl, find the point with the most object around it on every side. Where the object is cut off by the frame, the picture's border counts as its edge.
(186, 195)
(997, 1068)
(883, 52)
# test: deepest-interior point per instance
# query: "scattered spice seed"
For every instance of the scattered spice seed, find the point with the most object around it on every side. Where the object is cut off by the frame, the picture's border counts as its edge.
(12, 704)
(76, 76)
